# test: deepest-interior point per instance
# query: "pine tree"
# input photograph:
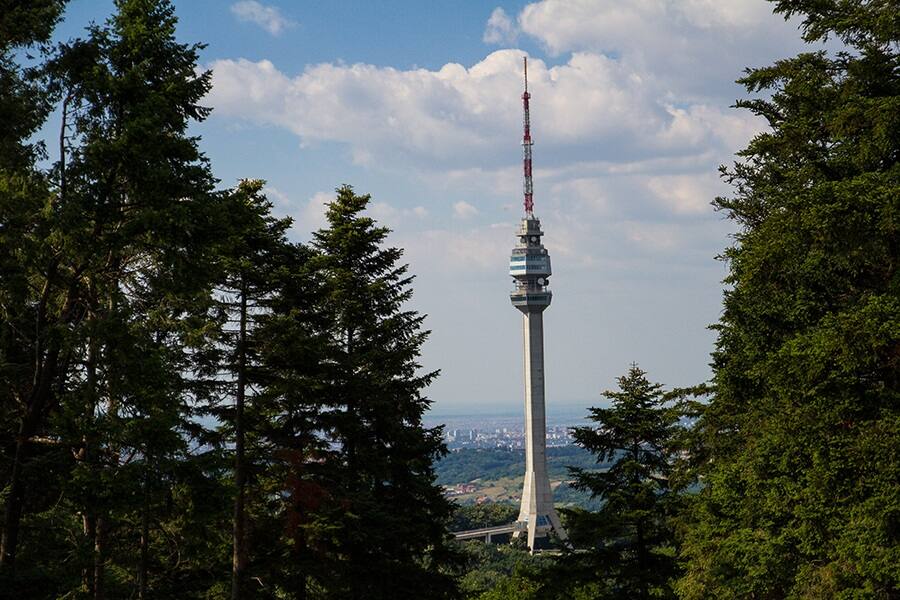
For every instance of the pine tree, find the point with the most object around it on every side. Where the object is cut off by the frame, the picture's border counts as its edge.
(292, 374)
(117, 272)
(24, 102)
(138, 188)
(630, 540)
(250, 255)
(29, 308)
(801, 463)
(386, 514)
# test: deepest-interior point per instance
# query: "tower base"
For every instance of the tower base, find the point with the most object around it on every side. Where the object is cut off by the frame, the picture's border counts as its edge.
(539, 530)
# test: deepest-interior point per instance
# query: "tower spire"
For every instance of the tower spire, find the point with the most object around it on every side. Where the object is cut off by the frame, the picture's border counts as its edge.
(526, 145)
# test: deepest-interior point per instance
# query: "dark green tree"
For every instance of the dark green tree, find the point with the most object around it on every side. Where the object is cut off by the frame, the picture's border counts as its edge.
(629, 541)
(387, 515)
(504, 571)
(135, 195)
(800, 461)
(295, 481)
(251, 254)
(25, 25)
(29, 308)
(115, 263)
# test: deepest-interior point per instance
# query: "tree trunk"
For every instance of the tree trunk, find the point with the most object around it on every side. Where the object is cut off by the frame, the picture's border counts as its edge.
(299, 576)
(239, 555)
(89, 526)
(28, 427)
(92, 523)
(13, 508)
(641, 552)
(145, 539)
(44, 374)
(100, 558)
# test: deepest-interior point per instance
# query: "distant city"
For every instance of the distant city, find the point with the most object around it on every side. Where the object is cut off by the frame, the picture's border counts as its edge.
(502, 437)
(483, 431)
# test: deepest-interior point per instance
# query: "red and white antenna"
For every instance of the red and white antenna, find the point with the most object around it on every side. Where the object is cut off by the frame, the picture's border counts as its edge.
(526, 145)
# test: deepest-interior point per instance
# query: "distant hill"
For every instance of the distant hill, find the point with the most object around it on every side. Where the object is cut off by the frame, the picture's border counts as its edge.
(470, 464)
(498, 473)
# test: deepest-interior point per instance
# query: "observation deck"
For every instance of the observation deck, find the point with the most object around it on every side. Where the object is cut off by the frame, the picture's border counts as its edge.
(529, 266)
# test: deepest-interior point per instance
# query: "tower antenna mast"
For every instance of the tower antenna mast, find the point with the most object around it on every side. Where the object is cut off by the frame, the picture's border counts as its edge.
(526, 145)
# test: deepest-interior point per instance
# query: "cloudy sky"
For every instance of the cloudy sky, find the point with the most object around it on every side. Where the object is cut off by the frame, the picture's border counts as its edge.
(418, 103)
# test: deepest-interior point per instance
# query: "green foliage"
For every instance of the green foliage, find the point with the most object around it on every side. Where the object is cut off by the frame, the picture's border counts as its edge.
(515, 587)
(500, 570)
(386, 516)
(483, 515)
(139, 306)
(468, 464)
(626, 545)
(250, 259)
(800, 462)
(24, 198)
(135, 201)
(111, 270)
(24, 102)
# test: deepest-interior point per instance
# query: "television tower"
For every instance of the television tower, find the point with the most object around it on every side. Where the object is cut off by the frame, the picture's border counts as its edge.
(529, 266)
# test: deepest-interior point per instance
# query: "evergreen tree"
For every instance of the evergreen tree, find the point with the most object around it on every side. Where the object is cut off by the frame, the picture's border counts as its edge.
(386, 514)
(801, 462)
(250, 256)
(24, 102)
(295, 483)
(136, 192)
(630, 539)
(116, 261)
(29, 308)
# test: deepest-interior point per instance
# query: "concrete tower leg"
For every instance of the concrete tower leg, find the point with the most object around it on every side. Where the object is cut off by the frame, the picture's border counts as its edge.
(532, 534)
(557, 526)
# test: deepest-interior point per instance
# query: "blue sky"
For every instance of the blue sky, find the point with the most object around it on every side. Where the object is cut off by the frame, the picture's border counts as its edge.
(418, 103)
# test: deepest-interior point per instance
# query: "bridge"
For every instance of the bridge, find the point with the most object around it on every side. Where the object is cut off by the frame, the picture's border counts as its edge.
(486, 533)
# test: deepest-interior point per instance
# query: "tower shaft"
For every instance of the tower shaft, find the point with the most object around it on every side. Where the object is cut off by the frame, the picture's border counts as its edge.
(537, 515)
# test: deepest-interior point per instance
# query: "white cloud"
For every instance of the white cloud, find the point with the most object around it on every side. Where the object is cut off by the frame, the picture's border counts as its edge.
(464, 210)
(369, 108)
(686, 194)
(653, 236)
(584, 192)
(277, 197)
(732, 14)
(308, 216)
(267, 17)
(591, 106)
(630, 123)
(391, 216)
(483, 249)
(478, 180)
(699, 46)
(311, 216)
(499, 29)
(383, 212)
